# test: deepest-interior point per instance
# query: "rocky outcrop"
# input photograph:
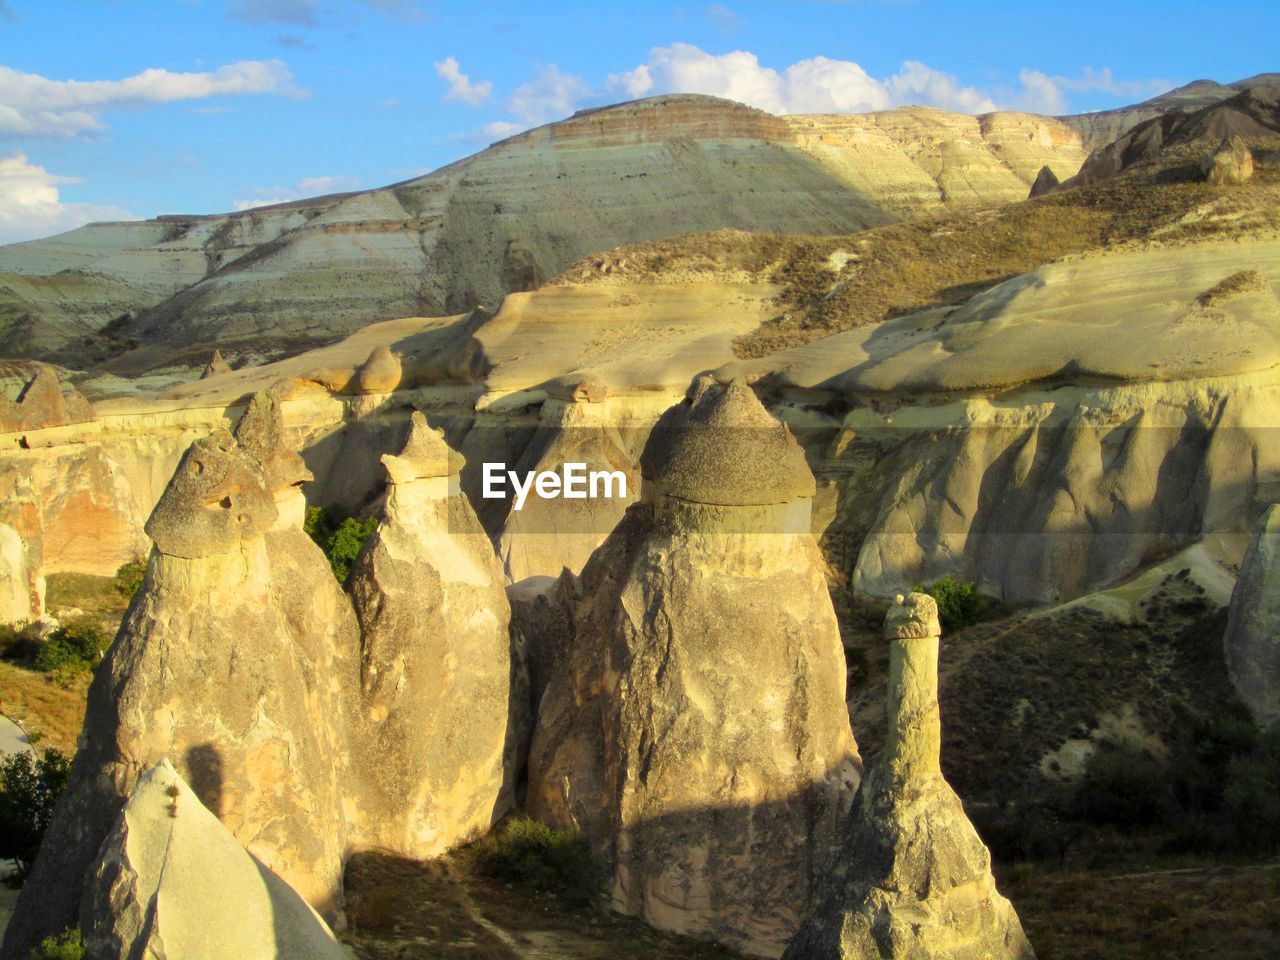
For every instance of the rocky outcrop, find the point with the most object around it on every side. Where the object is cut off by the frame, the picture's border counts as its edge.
(43, 402)
(696, 732)
(1253, 626)
(239, 659)
(215, 367)
(1046, 182)
(171, 881)
(435, 660)
(912, 878)
(1231, 162)
(15, 577)
(380, 373)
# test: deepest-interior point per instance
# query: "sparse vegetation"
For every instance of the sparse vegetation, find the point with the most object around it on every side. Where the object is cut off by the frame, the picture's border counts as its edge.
(960, 605)
(67, 945)
(29, 789)
(540, 859)
(129, 578)
(1123, 786)
(340, 536)
(1239, 282)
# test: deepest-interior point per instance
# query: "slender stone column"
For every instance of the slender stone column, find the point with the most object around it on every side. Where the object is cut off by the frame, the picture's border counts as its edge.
(915, 725)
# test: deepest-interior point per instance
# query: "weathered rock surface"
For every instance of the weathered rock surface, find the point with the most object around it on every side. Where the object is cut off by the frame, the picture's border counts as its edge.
(173, 882)
(380, 373)
(40, 401)
(697, 733)
(1253, 626)
(1046, 182)
(239, 658)
(435, 661)
(1231, 162)
(912, 878)
(215, 367)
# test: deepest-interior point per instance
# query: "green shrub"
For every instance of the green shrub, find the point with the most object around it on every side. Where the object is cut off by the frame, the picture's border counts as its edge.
(1251, 793)
(340, 537)
(66, 946)
(76, 646)
(539, 858)
(960, 604)
(19, 641)
(1123, 787)
(129, 578)
(29, 789)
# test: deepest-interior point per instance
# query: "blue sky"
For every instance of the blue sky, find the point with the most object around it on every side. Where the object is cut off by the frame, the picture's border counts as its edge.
(202, 106)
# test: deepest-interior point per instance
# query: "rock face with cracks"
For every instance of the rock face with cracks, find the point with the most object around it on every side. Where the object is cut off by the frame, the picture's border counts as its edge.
(172, 882)
(1253, 627)
(435, 661)
(697, 733)
(238, 659)
(912, 878)
(1231, 162)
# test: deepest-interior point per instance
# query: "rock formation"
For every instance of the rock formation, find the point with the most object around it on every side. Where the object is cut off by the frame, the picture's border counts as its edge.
(380, 373)
(215, 367)
(1253, 626)
(547, 535)
(697, 733)
(435, 662)
(1046, 182)
(43, 402)
(238, 659)
(912, 878)
(171, 881)
(1230, 162)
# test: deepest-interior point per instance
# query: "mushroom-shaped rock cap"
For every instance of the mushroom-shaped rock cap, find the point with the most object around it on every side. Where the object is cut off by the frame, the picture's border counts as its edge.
(425, 454)
(911, 617)
(217, 498)
(727, 449)
(261, 433)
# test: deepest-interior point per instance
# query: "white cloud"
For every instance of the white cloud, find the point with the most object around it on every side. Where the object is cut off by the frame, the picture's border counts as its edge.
(721, 17)
(30, 204)
(32, 105)
(304, 188)
(1042, 93)
(816, 85)
(552, 95)
(823, 85)
(460, 86)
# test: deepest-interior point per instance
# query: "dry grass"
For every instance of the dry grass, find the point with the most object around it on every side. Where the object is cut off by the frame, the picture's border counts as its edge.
(897, 269)
(1195, 910)
(51, 714)
(1225, 289)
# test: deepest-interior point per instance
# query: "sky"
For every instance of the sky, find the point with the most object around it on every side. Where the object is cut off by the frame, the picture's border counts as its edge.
(126, 109)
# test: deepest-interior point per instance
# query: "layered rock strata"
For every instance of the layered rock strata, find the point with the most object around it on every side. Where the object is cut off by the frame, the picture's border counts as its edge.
(912, 878)
(697, 733)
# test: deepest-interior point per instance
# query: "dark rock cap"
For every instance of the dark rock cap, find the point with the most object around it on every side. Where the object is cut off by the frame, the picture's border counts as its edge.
(726, 448)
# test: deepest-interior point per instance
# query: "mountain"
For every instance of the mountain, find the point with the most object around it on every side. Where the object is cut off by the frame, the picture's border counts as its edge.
(271, 281)
(1103, 127)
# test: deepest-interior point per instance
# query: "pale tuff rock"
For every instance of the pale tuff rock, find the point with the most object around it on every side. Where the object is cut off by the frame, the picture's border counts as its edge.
(172, 883)
(239, 659)
(435, 663)
(912, 878)
(15, 593)
(43, 402)
(215, 367)
(218, 498)
(729, 451)
(552, 534)
(696, 731)
(1253, 625)
(380, 373)
(1231, 162)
